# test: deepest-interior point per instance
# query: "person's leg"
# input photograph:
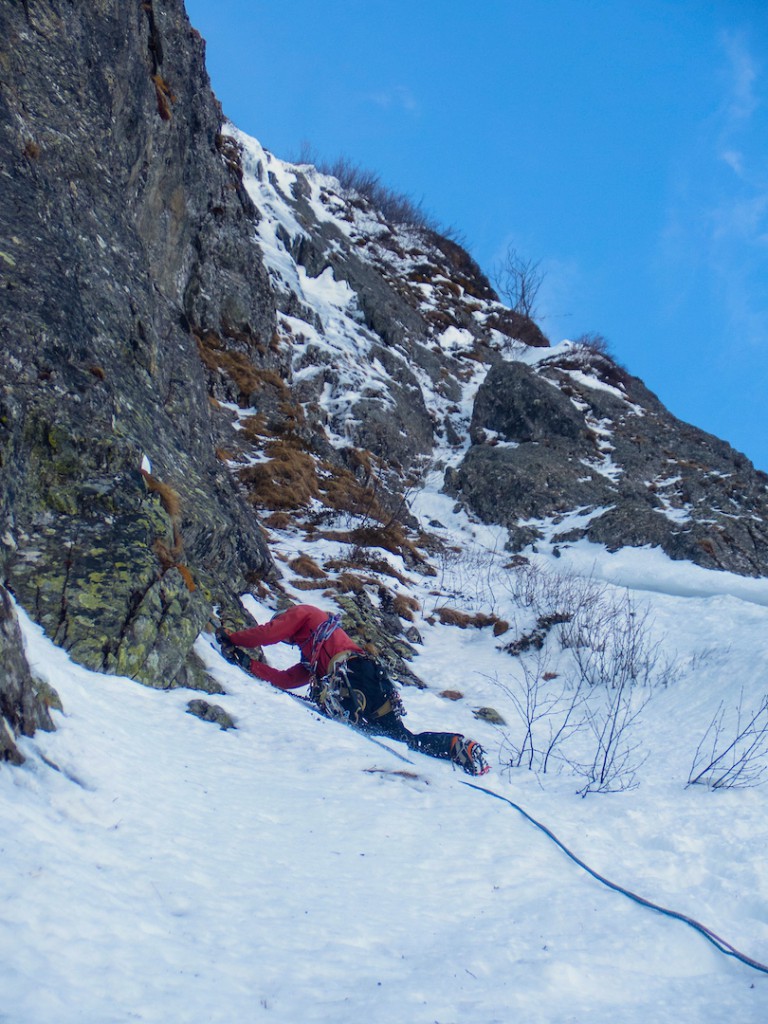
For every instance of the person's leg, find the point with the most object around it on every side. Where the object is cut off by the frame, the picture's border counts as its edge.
(366, 678)
(448, 746)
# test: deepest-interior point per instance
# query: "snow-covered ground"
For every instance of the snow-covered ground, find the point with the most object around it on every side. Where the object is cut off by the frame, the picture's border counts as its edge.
(291, 870)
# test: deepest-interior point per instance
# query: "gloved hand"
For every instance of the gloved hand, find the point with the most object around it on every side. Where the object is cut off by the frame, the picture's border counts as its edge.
(231, 653)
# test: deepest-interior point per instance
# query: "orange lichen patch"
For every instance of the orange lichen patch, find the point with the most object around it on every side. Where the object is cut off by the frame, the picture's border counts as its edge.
(165, 97)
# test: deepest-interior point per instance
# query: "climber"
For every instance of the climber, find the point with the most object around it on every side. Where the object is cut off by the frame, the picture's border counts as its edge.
(345, 682)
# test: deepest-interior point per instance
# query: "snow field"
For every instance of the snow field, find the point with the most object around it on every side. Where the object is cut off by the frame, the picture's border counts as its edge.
(290, 870)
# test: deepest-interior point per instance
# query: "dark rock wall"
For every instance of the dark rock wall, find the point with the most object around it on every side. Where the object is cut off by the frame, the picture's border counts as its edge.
(125, 233)
(23, 705)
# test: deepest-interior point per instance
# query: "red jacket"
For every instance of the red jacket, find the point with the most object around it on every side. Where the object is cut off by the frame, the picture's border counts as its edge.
(295, 626)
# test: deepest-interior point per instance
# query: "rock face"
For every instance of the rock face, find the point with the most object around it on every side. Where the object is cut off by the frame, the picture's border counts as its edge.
(202, 342)
(578, 434)
(125, 235)
(23, 708)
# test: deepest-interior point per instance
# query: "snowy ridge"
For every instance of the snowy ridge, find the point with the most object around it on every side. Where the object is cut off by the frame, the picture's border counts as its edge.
(333, 323)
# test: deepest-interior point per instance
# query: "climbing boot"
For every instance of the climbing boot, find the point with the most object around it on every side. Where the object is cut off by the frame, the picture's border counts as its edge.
(469, 756)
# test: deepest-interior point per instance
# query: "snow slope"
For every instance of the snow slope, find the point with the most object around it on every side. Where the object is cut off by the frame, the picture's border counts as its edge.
(293, 871)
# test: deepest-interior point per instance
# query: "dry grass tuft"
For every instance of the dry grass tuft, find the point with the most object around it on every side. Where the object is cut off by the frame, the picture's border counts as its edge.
(359, 558)
(307, 567)
(165, 97)
(349, 583)
(390, 537)
(237, 366)
(169, 498)
(169, 559)
(287, 482)
(186, 575)
(405, 606)
(279, 521)
(453, 617)
(309, 584)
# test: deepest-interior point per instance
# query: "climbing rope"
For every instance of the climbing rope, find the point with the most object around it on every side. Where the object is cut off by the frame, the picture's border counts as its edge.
(709, 935)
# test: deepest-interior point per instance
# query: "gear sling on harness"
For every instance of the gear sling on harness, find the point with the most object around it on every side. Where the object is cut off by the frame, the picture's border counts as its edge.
(337, 694)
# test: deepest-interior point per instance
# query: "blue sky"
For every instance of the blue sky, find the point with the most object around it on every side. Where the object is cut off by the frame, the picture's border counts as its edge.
(623, 143)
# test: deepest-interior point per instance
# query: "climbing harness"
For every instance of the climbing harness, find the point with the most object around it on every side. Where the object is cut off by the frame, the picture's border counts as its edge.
(335, 693)
(338, 697)
(719, 943)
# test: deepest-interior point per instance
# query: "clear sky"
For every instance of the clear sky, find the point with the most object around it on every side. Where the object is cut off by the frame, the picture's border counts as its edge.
(623, 143)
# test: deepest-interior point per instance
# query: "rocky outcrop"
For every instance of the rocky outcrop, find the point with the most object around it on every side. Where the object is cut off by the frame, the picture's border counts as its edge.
(576, 447)
(24, 703)
(126, 233)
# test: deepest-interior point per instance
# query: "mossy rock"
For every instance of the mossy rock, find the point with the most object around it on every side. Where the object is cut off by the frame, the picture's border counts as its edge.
(22, 708)
(211, 713)
(489, 715)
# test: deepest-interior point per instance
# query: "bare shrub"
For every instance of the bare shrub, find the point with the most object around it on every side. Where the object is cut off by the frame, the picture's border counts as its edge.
(536, 637)
(615, 664)
(594, 343)
(549, 717)
(616, 757)
(470, 573)
(518, 281)
(733, 753)
(395, 207)
(612, 644)
(548, 593)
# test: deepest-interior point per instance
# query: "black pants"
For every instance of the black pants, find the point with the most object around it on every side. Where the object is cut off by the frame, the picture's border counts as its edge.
(368, 678)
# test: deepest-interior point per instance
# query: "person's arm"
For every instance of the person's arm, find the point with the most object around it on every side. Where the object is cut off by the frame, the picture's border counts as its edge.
(280, 629)
(283, 679)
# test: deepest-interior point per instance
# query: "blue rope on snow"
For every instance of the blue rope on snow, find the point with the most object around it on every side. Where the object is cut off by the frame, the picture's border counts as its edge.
(709, 935)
